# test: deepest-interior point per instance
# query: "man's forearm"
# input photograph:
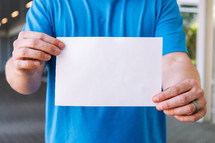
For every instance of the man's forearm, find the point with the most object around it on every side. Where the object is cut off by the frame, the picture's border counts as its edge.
(23, 81)
(176, 68)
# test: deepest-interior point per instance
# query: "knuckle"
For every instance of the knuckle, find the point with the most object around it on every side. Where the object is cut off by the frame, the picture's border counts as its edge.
(23, 53)
(171, 112)
(41, 36)
(15, 43)
(183, 100)
(190, 109)
(167, 105)
(34, 42)
(40, 55)
(17, 64)
(55, 41)
(204, 101)
(28, 64)
(50, 49)
(21, 34)
(175, 90)
(200, 91)
(193, 82)
(13, 54)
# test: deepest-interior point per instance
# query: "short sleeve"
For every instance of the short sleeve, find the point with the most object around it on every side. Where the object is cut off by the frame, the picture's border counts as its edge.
(170, 26)
(38, 18)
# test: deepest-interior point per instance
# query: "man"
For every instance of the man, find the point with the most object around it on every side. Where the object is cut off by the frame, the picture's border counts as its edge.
(182, 97)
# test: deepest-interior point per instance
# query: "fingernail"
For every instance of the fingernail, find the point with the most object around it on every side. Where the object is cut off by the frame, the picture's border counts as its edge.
(159, 107)
(155, 99)
(61, 45)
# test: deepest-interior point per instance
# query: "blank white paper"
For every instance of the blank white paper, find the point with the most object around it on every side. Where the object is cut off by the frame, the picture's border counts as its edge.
(108, 71)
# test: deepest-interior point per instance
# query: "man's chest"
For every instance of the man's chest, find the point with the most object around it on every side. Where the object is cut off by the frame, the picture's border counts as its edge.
(108, 19)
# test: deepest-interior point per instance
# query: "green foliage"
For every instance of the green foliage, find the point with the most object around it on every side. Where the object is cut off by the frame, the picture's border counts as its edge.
(191, 34)
(193, 61)
(190, 28)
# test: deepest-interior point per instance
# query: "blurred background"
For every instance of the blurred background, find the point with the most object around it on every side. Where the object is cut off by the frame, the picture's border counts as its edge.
(22, 118)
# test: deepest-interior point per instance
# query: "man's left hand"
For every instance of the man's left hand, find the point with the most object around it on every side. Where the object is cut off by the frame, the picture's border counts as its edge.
(177, 101)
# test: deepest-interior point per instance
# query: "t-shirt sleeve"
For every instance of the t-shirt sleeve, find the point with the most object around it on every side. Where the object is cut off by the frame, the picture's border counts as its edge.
(170, 26)
(38, 18)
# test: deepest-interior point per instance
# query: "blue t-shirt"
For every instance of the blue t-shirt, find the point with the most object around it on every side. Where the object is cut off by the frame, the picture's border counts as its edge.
(109, 18)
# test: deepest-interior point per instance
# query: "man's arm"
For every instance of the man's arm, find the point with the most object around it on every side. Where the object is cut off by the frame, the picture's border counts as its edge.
(31, 50)
(181, 84)
(22, 80)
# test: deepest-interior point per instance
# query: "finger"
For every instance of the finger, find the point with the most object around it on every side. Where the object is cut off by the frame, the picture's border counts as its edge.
(180, 88)
(41, 36)
(37, 45)
(194, 117)
(187, 109)
(26, 64)
(27, 53)
(179, 100)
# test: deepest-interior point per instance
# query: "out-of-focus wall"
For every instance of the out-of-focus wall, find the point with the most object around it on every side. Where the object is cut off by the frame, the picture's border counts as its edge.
(6, 48)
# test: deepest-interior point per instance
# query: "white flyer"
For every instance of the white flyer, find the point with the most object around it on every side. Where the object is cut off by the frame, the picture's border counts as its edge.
(108, 71)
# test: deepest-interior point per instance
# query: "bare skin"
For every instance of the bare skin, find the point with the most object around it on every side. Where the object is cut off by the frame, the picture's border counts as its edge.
(31, 50)
(181, 84)
(181, 81)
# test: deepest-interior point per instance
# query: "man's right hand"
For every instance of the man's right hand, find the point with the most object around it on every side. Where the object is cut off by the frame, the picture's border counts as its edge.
(32, 49)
